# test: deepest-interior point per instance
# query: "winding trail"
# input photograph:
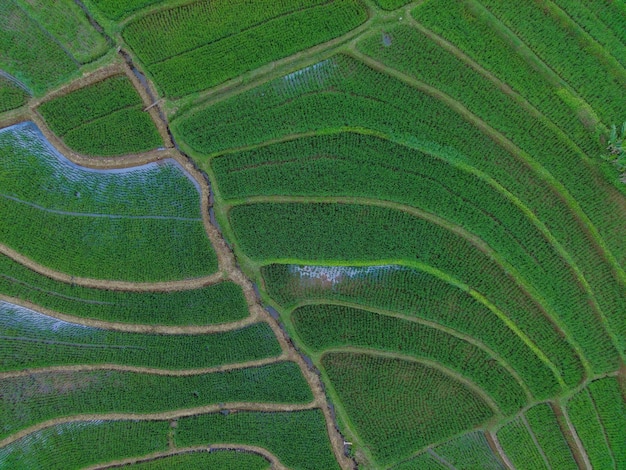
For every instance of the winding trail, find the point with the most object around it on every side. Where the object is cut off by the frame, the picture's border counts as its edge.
(271, 458)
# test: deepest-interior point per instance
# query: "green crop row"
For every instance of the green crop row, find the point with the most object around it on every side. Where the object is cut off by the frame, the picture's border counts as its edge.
(67, 23)
(31, 340)
(105, 118)
(55, 183)
(341, 92)
(608, 399)
(167, 33)
(584, 416)
(519, 446)
(545, 427)
(342, 233)
(113, 244)
(348, 164)
(423, 461)
(119, 9)
(413, 293)
(219, 303)
(29, 53)
(397, 406)
(391, 4)
(11, 95)
(568, 51)
(470, 451)
(72, 446)
(274, 39)
(322, 327)
(612, 14)
(214, 460)
(298, 439)
(43, 396)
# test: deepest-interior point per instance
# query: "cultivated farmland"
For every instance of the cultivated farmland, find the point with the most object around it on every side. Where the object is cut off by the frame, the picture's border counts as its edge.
(313, 234)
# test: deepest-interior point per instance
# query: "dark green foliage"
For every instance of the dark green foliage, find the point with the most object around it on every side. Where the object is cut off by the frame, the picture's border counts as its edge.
(77, 445)
(545, 427)
(471, 451)
(29, 53)
(391, 4)
(322, 327)
(298, 439)
(277, 36)
(414, 293)
(105, 119)
(77, 225)
(37, 397)
(397, 406)
(118, 9)
(11, 95)
(610, 404)
(219, 303)
(584, 416)
(32, 340)
(520, 447)
(214, 460)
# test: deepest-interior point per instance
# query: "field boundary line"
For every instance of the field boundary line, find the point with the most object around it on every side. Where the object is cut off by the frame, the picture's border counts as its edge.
(273, 460)
(163, 416)
(496, 448)
(146, 370)
(137, 327)
(560, 410)
(108, 284)
(422, 321)
(533, 437)
(456, 376)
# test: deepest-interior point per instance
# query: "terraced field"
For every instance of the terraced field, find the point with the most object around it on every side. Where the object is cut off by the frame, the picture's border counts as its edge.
(307, 234)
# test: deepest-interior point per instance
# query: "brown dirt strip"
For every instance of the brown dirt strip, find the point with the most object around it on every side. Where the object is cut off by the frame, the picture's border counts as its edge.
(497, 449)
(165, 416)
(165, 286)
(571, 437)
(136, 327)
(276, 464)
(145, 370)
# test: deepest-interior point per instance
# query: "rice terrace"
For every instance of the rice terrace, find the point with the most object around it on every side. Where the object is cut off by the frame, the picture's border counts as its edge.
(313, 234)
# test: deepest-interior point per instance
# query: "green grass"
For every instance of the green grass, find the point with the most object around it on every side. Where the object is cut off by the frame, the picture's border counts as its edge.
(322, 327)
(43, 396)
(219, 303)
(77, 225)
(72, 446)
(29, 53)
(69, 26)
(413, 293)
(214, 460)
(103, 119)
(519, 446)
(276, 38)
(32, 340)
(298, 439)
(11, 95)
(470, 451)
(545, 427)
(397, 407)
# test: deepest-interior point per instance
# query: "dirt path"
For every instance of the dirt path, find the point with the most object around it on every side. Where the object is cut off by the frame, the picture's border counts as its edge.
(571, 437)
(145, 370)
(137, 327)
(164, 416)
(497, 449)
(271, 458)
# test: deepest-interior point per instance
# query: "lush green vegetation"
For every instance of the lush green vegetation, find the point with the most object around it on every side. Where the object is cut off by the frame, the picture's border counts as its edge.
(105, 119)
(391, 4)
(118, 9)
(471, 451)
(424, 461)
(272, 31)
(29, 53)
(298, 439)
(519, 446)
(11, 95)
(37, 397)
(69, 26)
(76, 445)
(215, 460)
(32, 340)
(82, 237)
(219, 303)
(545, 427)
(399, 406)
(323, 327)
